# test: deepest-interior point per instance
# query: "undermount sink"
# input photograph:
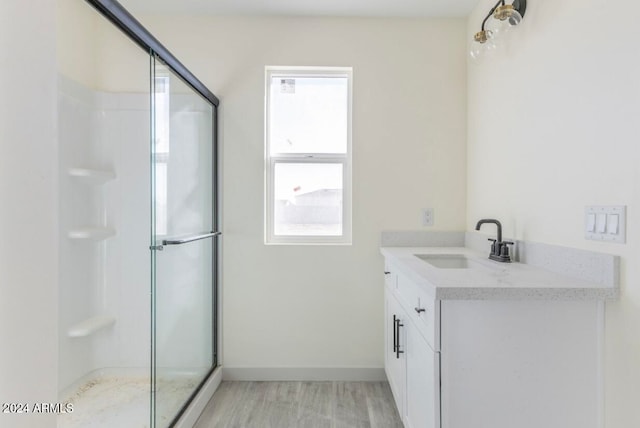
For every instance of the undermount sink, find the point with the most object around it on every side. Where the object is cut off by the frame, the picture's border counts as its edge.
(449, 261)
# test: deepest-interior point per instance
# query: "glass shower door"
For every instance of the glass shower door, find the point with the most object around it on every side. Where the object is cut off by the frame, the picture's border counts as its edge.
(184, 239)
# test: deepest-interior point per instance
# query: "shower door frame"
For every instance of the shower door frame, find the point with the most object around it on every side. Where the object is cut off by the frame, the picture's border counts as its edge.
(115, 13)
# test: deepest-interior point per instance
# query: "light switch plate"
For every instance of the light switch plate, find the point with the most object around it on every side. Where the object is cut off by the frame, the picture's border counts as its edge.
(600, 223)
(427, 217)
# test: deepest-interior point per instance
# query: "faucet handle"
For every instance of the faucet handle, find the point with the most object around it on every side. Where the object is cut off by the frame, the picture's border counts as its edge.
(504, 249)
(494, 250)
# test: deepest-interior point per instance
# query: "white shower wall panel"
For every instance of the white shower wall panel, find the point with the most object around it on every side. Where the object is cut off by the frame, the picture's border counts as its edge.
(126, 126)
(78, 261)
(104, 131)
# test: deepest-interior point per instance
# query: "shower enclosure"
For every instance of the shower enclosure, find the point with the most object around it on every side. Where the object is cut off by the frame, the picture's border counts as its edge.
(138, 221)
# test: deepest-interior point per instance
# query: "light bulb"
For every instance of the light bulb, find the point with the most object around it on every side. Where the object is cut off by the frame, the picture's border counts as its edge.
(483, 45)
(490, 47)
(506, 17)
(476, 51)
(515, 18)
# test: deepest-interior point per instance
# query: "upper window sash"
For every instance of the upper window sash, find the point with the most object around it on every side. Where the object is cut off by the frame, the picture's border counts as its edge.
(301, 97)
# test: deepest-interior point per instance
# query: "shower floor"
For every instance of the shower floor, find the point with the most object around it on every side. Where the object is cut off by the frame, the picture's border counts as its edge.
(120, 398)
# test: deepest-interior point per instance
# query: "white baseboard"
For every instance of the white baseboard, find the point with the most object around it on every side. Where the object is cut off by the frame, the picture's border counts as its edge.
(193, 412)
(304, 373)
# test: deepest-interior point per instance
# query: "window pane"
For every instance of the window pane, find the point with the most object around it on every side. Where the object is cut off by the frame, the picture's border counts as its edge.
(308, 199)
(308, 114)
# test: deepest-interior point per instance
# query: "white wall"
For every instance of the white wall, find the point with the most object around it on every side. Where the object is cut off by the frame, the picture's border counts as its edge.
(76, 40)
(319, 306)
(552, 127)
(28, 207)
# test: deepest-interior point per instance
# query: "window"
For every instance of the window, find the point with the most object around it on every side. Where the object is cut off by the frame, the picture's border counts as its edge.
(308, 156)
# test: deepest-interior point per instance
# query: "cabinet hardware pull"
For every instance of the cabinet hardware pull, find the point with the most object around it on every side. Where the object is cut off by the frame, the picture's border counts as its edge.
(418, 310)
(386, 272)
(398, 351)
(395, 336)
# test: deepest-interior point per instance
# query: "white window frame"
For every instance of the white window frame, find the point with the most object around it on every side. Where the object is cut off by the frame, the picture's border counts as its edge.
(309, 158)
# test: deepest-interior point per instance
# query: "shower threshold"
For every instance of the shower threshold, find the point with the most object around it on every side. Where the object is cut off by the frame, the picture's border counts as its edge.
(120, 397)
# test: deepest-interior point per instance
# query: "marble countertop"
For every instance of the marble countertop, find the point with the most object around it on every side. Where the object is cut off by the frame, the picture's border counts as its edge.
(488, 279)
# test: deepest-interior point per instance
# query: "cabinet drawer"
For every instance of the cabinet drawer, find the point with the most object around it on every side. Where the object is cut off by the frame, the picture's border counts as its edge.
(421, 309)
(390, 276)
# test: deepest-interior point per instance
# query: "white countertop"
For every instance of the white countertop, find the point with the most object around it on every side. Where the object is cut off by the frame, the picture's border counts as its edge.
(490, 279)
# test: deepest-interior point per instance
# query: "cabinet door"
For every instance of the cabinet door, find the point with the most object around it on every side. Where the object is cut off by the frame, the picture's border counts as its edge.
(394, 359)
(422, 409)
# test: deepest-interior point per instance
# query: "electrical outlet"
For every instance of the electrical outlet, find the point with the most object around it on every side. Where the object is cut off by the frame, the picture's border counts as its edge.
(427, 217)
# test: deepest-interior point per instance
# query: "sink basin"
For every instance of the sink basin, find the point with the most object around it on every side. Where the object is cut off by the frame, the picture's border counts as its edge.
(448, 261)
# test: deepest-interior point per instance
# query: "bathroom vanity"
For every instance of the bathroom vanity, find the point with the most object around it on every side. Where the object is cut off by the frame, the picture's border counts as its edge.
(470, 342)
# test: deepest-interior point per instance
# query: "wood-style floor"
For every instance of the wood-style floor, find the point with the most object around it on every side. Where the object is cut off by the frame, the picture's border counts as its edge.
(301, 405)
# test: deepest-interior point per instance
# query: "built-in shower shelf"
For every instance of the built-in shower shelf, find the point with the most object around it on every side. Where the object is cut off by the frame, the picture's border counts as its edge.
(92, 176)
(92, 233)
(90, 326)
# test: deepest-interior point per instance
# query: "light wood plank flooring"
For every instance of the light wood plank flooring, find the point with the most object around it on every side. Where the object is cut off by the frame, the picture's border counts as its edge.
(301, 405)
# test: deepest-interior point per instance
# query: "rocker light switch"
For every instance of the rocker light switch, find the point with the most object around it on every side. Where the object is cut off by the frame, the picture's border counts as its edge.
(591, 222)
(601, 223)
(612, 224)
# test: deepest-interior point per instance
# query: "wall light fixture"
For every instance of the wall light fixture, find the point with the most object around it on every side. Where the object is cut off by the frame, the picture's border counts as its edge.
(506, 16)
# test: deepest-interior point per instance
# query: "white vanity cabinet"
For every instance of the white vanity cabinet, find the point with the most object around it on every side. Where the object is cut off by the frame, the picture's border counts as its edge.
(491, 362)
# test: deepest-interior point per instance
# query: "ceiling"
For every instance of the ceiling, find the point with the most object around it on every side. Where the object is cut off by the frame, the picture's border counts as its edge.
(364, 8)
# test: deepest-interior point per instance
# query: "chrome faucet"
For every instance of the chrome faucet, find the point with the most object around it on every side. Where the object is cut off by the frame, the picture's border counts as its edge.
(499, 248)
